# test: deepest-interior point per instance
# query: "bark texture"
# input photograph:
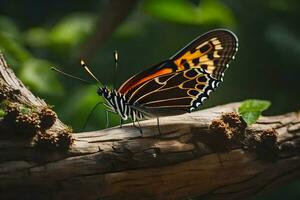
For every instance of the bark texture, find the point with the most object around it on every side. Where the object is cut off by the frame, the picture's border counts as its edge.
(190, 159)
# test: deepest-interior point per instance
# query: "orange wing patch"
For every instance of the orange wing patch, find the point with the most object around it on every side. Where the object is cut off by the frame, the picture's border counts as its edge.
(186, 60)
(131, 84)
(187, 56)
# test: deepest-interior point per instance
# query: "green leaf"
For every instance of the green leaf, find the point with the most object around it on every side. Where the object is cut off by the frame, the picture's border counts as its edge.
(254, 105)
(70, 31)
(251, 109)
(184, 12)
(250, 117)
(176, 11)
(214, 12)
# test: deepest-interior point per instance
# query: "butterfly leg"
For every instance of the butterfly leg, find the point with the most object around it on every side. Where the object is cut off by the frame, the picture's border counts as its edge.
(134, 125)
(138, 127)
(158, 128)
(121, 122)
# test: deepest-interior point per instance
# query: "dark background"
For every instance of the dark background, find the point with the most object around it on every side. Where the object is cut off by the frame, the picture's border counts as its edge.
(36, 35)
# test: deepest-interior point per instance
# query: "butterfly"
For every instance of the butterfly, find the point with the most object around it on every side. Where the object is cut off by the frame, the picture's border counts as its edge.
(177, 85)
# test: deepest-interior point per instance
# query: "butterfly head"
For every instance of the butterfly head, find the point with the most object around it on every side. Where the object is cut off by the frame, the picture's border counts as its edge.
(103, 91)
(106, 92)
(100, 91)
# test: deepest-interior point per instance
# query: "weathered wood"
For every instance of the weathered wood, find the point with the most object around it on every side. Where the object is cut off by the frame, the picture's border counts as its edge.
(120, 163)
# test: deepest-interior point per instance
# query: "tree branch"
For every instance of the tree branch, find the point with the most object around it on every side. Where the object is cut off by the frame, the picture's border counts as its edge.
(208, 154)
(114, 13)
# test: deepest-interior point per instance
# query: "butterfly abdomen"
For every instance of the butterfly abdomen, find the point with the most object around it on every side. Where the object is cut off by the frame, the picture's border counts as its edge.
(118, 103)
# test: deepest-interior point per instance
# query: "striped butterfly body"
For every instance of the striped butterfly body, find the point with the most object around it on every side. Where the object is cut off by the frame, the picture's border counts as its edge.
(178, 85)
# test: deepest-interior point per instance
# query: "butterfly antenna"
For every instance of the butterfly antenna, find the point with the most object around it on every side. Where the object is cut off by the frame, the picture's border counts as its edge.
(116, 58)
(89, 71)
(69, 75)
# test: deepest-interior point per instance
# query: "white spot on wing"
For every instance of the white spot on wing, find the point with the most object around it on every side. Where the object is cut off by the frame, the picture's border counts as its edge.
(213, 84)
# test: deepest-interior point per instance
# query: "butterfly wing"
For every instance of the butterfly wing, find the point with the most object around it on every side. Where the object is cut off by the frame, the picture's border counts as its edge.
(183, 82)
(211, 52)
(174, 93)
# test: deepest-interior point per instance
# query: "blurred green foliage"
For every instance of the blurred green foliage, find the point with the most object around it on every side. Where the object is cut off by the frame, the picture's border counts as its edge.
(35, 36)
(35, 74)
(208, 12)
